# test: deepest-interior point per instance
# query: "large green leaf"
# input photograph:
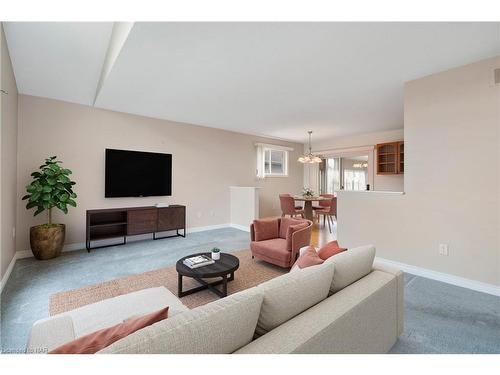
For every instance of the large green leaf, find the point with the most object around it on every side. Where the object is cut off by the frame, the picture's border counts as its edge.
(31, 205)
(71, 202)
(47, 189)
(35, 196)
(39, 210)
(64, 197)
(51, 181)
(64, 179)
(25, 197)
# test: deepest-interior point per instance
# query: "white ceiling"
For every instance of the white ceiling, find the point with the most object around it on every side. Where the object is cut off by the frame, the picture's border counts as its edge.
(273, 79)
(58, 60)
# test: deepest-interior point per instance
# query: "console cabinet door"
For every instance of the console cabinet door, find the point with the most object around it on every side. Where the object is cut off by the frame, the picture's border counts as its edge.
(171, 218)
(142, 221)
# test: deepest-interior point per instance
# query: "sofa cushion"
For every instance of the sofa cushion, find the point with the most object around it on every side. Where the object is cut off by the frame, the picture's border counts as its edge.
(309, 258)
(330, 249)
(266, 229)
(95, 341)
(285, 223)
(290, 294)
(222, 326)
(275, 249)
(351, 265)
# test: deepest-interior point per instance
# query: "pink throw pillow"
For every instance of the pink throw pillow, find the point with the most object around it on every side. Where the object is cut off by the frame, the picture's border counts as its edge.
(330, 249)
(309, 258)
(285, 223)
(266, 229)
(95, 341)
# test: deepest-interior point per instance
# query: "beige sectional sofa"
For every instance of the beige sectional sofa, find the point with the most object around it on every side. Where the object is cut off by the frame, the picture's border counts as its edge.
(345, 305)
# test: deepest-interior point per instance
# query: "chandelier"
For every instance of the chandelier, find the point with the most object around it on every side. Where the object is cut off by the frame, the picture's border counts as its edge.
(309, 157)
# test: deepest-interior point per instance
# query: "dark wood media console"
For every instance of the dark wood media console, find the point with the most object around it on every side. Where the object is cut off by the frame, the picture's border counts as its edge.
(122, 222)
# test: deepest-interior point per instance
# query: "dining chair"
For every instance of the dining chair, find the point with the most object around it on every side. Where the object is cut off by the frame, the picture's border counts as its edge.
(288, 206)
(329, 212)
(297, 206)
(323, 204)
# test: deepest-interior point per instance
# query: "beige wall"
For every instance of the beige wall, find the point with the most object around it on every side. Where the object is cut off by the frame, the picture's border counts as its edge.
(378, 182)
(451, 181)
(9, 157)
(206, 162)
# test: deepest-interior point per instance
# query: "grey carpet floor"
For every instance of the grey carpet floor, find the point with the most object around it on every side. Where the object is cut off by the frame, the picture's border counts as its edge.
(439, 318)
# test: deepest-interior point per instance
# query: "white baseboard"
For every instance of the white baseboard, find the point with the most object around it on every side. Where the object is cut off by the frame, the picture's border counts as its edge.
(6, 276)
(444, 277)
(240, 227)
(208, 227)
(81, 245)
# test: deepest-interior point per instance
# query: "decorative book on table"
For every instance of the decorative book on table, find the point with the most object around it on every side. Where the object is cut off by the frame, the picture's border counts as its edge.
(198, 261)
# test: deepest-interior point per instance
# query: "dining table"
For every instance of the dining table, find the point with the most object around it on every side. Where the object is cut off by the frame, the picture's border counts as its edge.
(308, 201)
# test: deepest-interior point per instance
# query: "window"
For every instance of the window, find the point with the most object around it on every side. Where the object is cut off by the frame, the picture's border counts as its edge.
(275, 162)
(272, 161)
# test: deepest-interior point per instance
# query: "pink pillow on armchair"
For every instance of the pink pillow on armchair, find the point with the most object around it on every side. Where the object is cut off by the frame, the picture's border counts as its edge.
(309, 258)
(286, 222)
(266, 229)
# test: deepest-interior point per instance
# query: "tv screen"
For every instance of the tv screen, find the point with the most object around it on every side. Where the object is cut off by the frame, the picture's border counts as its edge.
(137, 174)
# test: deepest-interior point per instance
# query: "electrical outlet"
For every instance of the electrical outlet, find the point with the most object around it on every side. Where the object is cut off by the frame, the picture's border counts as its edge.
(443, 249)
(212, 213)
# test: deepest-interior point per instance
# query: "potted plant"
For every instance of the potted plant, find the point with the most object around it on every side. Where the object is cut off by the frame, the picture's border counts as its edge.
(51, 188)
(215, 253)
(307, 193)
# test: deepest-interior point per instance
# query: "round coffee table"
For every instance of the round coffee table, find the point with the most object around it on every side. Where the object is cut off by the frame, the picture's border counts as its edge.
(223, 268)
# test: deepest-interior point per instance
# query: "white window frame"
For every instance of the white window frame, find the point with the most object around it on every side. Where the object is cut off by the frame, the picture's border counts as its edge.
(262, 148)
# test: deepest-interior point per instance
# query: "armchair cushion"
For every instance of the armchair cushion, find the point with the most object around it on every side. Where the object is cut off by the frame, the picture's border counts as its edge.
(274, 249)
(285, 224)
(266, 229)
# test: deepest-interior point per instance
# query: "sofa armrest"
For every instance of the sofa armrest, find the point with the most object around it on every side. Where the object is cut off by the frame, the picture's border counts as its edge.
(383, 267)
(50, 333)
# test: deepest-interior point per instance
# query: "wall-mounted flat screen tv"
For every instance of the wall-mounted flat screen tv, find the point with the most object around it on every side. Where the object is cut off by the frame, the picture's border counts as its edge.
(137, 174)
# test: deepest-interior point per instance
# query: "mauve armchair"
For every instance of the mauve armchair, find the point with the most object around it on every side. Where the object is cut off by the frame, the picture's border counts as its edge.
(278, 240)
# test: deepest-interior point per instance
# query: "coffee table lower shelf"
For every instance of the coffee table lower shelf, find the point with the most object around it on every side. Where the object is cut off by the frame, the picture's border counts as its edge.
(205, 285)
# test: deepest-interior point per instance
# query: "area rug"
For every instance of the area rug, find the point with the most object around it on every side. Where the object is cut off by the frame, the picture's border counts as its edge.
(250, 273)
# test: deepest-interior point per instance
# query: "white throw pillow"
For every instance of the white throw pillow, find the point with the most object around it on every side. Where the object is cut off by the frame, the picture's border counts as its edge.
(351, 265)
(288, 295)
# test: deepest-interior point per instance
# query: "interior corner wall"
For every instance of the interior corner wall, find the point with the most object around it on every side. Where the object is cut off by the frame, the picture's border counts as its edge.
(452, 167)
(8, 167)
(206, 162)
